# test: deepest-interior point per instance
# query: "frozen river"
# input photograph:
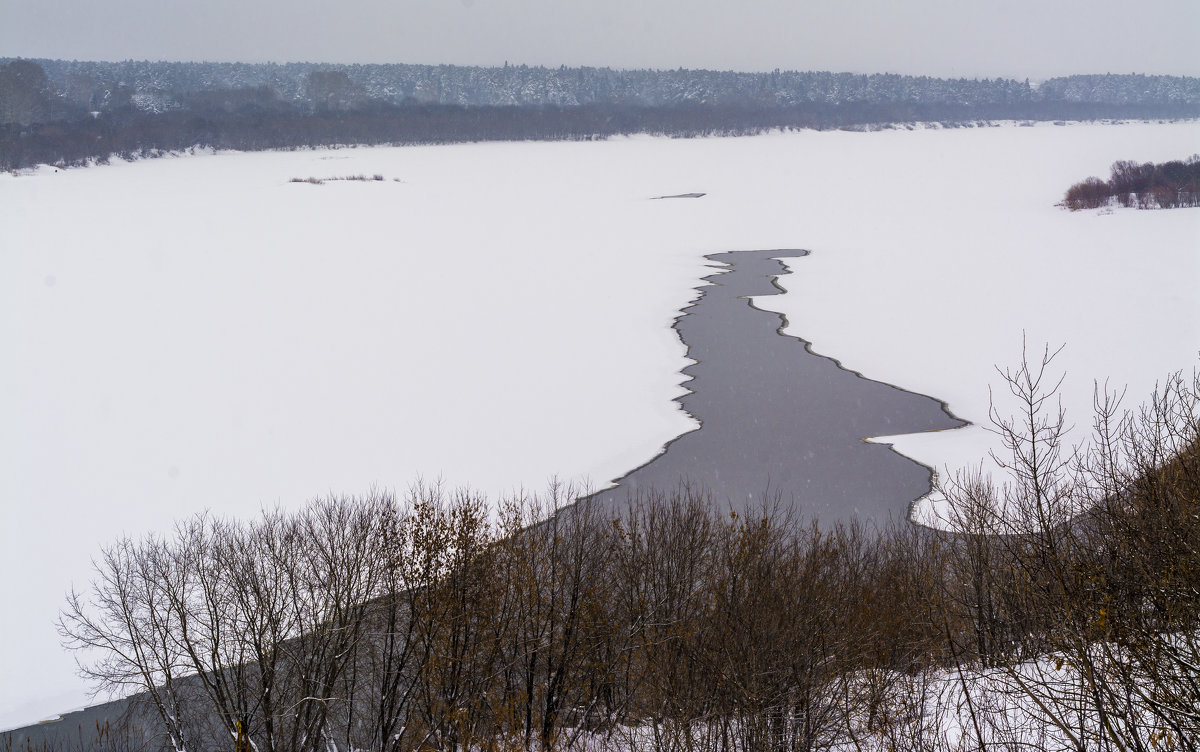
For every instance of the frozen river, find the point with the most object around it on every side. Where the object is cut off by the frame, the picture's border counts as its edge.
(458, 324)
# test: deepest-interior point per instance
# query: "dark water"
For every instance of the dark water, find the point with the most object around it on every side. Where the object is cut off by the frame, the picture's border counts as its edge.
(81, 730)
(777, 418)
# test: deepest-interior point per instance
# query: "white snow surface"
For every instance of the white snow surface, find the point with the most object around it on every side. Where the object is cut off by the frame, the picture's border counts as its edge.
(196, 333)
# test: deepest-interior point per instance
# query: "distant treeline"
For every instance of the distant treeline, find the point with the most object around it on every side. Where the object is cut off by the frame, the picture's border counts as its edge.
(160, 86)
(1148, 186)
(129, 133)
(64, 113)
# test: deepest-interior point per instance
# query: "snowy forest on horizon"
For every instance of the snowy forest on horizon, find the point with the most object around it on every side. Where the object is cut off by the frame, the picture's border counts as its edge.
(159, 85)
(69, 112)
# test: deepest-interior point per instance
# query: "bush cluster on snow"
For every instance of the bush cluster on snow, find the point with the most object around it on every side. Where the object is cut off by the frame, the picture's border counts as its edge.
(1168, 185)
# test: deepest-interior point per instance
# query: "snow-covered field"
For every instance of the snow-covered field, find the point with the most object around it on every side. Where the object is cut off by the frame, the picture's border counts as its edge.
(198, 332)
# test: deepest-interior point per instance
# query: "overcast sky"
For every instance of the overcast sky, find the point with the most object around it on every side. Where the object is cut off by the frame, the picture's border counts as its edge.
(972, 38)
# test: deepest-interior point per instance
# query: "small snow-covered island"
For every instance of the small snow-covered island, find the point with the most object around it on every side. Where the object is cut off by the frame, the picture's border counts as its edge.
(392, 407)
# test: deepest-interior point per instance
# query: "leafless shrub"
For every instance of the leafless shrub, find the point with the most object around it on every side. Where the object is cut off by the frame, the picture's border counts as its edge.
(1083, 577)
(376, 178)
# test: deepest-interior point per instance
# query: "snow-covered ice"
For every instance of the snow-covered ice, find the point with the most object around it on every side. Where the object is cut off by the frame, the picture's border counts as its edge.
(198, 332)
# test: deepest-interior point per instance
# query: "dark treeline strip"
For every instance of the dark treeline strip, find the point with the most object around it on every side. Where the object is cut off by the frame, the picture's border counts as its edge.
(81, 111)
(1168, 185)
(166, 85)
(1060, 610)
(130, 133)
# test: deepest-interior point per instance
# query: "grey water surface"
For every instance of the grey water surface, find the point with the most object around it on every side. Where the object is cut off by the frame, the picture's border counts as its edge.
(776, 418)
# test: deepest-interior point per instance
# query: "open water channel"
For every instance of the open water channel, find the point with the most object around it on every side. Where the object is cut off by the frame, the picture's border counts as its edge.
(778, 420)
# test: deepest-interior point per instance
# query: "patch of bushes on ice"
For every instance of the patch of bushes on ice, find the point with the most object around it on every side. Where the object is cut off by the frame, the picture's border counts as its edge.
(376, 178)
(1169, 185)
